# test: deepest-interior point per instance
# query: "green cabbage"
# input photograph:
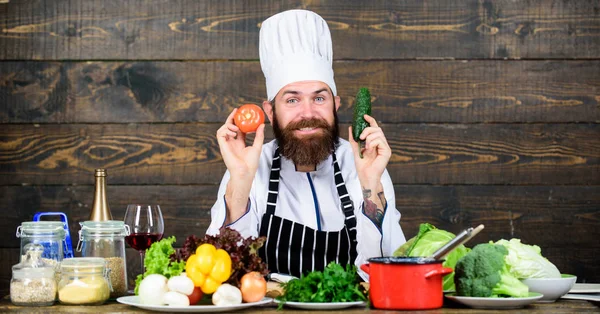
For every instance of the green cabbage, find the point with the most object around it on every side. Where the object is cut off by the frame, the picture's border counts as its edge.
(428, 240)
(526, 261)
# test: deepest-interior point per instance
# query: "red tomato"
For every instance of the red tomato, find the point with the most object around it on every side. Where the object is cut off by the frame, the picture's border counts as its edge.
(195, 296)
(248, 117)
(253, 287)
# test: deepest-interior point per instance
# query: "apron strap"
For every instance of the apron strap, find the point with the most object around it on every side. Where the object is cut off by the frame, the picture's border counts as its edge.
(347, 208)
(345, 200)
(274, 183)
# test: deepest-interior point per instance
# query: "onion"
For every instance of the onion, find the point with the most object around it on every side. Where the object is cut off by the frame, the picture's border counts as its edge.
(253, 287)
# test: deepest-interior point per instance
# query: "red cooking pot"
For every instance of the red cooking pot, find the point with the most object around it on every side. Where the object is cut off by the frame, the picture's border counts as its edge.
(406, 283)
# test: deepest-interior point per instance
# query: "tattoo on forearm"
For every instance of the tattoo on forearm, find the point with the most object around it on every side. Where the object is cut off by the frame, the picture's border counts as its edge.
(382, 200)
(366, 193)
(370, 209)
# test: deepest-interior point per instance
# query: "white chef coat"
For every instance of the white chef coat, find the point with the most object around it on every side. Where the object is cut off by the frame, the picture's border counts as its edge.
(300, 191)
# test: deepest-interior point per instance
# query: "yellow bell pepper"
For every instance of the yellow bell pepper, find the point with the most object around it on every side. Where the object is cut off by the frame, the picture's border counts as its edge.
(208, 268)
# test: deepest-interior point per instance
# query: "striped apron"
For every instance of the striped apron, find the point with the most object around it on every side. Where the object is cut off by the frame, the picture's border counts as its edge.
(295, 249)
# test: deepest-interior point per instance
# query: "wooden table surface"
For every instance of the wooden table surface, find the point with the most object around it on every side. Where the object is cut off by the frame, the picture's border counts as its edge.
(562, 306)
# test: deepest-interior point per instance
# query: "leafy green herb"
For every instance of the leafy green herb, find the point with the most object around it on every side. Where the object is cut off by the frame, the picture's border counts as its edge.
(333, 284)
(158, 261)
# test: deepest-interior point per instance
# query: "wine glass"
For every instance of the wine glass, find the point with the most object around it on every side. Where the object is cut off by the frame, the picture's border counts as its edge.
(146, 227)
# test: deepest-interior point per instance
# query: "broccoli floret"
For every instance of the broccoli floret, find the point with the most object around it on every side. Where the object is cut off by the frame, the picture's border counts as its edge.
(483, 273)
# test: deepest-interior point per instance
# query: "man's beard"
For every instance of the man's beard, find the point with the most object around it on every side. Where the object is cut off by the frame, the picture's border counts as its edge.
(310, 149)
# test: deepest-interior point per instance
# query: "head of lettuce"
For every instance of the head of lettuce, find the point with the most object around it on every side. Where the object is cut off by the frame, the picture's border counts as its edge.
(526, 261)
(428, 240)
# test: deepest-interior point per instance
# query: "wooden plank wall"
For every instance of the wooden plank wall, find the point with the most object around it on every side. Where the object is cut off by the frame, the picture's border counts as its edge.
(492, 109)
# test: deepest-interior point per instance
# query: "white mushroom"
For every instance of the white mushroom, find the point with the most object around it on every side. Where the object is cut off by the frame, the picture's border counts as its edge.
(176, 299)
(227, 294)
(181, 284)
(152, 289)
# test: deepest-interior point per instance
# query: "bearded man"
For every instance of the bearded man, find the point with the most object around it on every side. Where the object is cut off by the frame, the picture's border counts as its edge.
(308, 191)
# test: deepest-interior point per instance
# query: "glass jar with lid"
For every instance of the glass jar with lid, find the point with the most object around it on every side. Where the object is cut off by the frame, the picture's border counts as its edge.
(49, 234)
(33, 281)
(84, 281)
(106, 239)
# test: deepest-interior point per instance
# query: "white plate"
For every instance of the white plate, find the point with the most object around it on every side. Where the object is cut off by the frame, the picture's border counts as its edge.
(134, 301)
(588, 297)
(585, 288)
(321, 306)
(496, 303)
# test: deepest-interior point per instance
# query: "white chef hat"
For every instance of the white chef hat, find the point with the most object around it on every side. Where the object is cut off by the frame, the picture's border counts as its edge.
(295, 46)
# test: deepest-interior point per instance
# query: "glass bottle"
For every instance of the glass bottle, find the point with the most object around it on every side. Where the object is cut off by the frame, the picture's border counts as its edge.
(84, 281)
(100, 209)
(106, 239)
(49, 234)
(33, 281)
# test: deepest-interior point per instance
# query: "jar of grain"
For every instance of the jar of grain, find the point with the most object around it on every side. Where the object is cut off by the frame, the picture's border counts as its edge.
(50, 234)
(84, 281)
(33, 282)
(106, 239)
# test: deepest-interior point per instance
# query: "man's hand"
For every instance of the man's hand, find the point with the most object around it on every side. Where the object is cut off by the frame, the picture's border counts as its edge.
(375, 156)
(376, 153)
(241, 160)
(242, 163)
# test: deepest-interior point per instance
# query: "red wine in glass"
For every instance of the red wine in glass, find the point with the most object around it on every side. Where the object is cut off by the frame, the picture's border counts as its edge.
(142, 241)
(146, 226)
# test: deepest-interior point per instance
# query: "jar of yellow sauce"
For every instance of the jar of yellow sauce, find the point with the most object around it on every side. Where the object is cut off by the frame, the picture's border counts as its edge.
(84, 281)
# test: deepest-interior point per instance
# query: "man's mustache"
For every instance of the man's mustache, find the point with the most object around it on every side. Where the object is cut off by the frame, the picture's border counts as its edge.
(307, 123)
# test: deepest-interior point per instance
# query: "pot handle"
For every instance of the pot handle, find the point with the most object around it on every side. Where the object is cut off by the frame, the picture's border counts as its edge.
(439, 272)
(365, 268)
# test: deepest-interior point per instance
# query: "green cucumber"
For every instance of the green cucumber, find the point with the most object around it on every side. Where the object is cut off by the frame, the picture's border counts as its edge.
(362, 106)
